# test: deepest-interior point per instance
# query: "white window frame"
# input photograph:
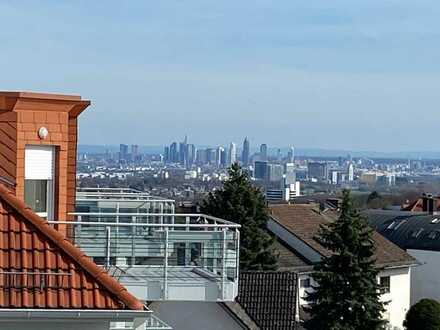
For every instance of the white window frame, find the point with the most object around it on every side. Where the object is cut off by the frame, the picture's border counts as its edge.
(49, 176)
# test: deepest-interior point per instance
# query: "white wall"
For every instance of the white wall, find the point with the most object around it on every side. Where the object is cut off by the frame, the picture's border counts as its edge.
(194, 315)
(55, 325)
(398, 298)
(425, 281)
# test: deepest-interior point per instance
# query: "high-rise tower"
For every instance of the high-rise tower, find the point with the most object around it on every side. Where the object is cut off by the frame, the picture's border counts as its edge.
(232, 157)
(246, 152)
(263, 152)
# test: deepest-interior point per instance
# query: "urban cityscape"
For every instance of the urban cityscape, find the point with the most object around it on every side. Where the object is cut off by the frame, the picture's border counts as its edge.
(186, 172)
(219, 165)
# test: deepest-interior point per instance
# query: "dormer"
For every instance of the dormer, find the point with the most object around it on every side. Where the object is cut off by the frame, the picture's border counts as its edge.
(38, 143)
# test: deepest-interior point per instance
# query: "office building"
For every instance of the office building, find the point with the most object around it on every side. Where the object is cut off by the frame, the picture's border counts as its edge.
(317, 170)
(263, 152)
(261, 170)
(291, 155)
(275, 172)
(245, 156)
(351, 172)
(232, 157)
(174, 153)
(123, 153)
(290, 174)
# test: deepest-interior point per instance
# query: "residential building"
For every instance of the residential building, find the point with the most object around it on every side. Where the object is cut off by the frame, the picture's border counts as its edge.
(419, 234)
(47, 282)
(296, 226)
(134, 247)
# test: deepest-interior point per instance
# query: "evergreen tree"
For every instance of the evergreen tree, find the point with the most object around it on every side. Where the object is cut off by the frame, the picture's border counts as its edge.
(239, 201)
(347, 294)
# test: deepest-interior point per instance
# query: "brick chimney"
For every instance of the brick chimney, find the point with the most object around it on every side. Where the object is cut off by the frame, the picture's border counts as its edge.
(38, 142)
(429, 203)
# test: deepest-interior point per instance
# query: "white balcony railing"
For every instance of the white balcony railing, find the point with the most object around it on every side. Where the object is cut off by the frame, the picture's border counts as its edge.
(162, 256)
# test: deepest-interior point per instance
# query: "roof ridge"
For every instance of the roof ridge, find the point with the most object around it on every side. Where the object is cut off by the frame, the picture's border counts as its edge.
(74, 252)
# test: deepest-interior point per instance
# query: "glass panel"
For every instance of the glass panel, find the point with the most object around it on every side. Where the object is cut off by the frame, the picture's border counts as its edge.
(35, 194)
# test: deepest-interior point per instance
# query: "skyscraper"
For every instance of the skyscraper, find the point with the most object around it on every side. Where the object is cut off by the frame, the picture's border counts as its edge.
(289, 170)
(166, 152)
(134, 152)
(246, 152)
(232, 157)
(174, 153)
(261, 170)
(191, 155)
(263, 152)
(218, 156)
(123, 152)
(351, 172)
(291, 155)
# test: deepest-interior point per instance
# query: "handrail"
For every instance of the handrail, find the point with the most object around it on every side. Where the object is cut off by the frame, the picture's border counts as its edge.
(124, 224)
(177, 215)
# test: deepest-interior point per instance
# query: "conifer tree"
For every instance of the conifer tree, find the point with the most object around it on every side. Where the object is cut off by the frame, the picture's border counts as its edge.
(239, 201)
(346, 292)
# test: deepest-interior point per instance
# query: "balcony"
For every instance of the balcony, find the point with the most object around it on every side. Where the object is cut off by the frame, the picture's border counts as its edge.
(157, 255)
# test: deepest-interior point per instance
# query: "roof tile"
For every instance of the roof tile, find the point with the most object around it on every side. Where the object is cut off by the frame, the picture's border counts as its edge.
(40, 268)
(304, 222)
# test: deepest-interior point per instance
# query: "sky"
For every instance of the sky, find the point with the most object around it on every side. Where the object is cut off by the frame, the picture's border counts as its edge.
(340, 74)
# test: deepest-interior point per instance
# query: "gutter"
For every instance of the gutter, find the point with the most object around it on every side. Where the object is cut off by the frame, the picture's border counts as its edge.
(27, 314)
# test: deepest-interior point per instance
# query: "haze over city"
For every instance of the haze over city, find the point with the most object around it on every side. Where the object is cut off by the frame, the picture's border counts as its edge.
(323, 74)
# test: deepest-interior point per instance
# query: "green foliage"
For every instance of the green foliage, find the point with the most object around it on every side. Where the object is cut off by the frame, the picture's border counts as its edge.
(239, 201)
(346, 294)
(376, 201)
(425, 315)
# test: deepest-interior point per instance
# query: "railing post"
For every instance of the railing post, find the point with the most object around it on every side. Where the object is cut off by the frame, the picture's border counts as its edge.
(165, 267)
(77, 232)
(133, 245)
(237, 254)
(107, 258)
(224, 264)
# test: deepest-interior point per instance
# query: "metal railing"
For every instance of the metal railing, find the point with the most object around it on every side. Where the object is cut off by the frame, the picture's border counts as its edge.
(163, 247)
(117, 200)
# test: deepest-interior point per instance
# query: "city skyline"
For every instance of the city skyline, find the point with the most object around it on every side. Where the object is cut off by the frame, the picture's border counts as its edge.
(328, 75)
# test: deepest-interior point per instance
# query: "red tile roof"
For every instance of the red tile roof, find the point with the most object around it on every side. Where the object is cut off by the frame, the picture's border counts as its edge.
(40, 268)
(417, 205)
(304, 222)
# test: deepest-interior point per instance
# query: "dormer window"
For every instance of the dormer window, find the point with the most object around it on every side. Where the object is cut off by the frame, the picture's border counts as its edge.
(39, 183)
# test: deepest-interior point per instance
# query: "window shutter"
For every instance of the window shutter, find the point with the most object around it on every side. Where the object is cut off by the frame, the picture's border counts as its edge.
(39, 162)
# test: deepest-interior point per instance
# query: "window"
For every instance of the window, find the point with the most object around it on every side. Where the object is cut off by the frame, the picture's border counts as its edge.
(35, 195)
(38, 184)
(304, 283)
(384, 284)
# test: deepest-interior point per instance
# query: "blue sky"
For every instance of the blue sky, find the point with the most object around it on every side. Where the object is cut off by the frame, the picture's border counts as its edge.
(340, 74)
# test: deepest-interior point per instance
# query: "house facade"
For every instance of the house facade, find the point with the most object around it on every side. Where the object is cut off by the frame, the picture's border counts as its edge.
(92, 258)
(419, 234)
(296, 226)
